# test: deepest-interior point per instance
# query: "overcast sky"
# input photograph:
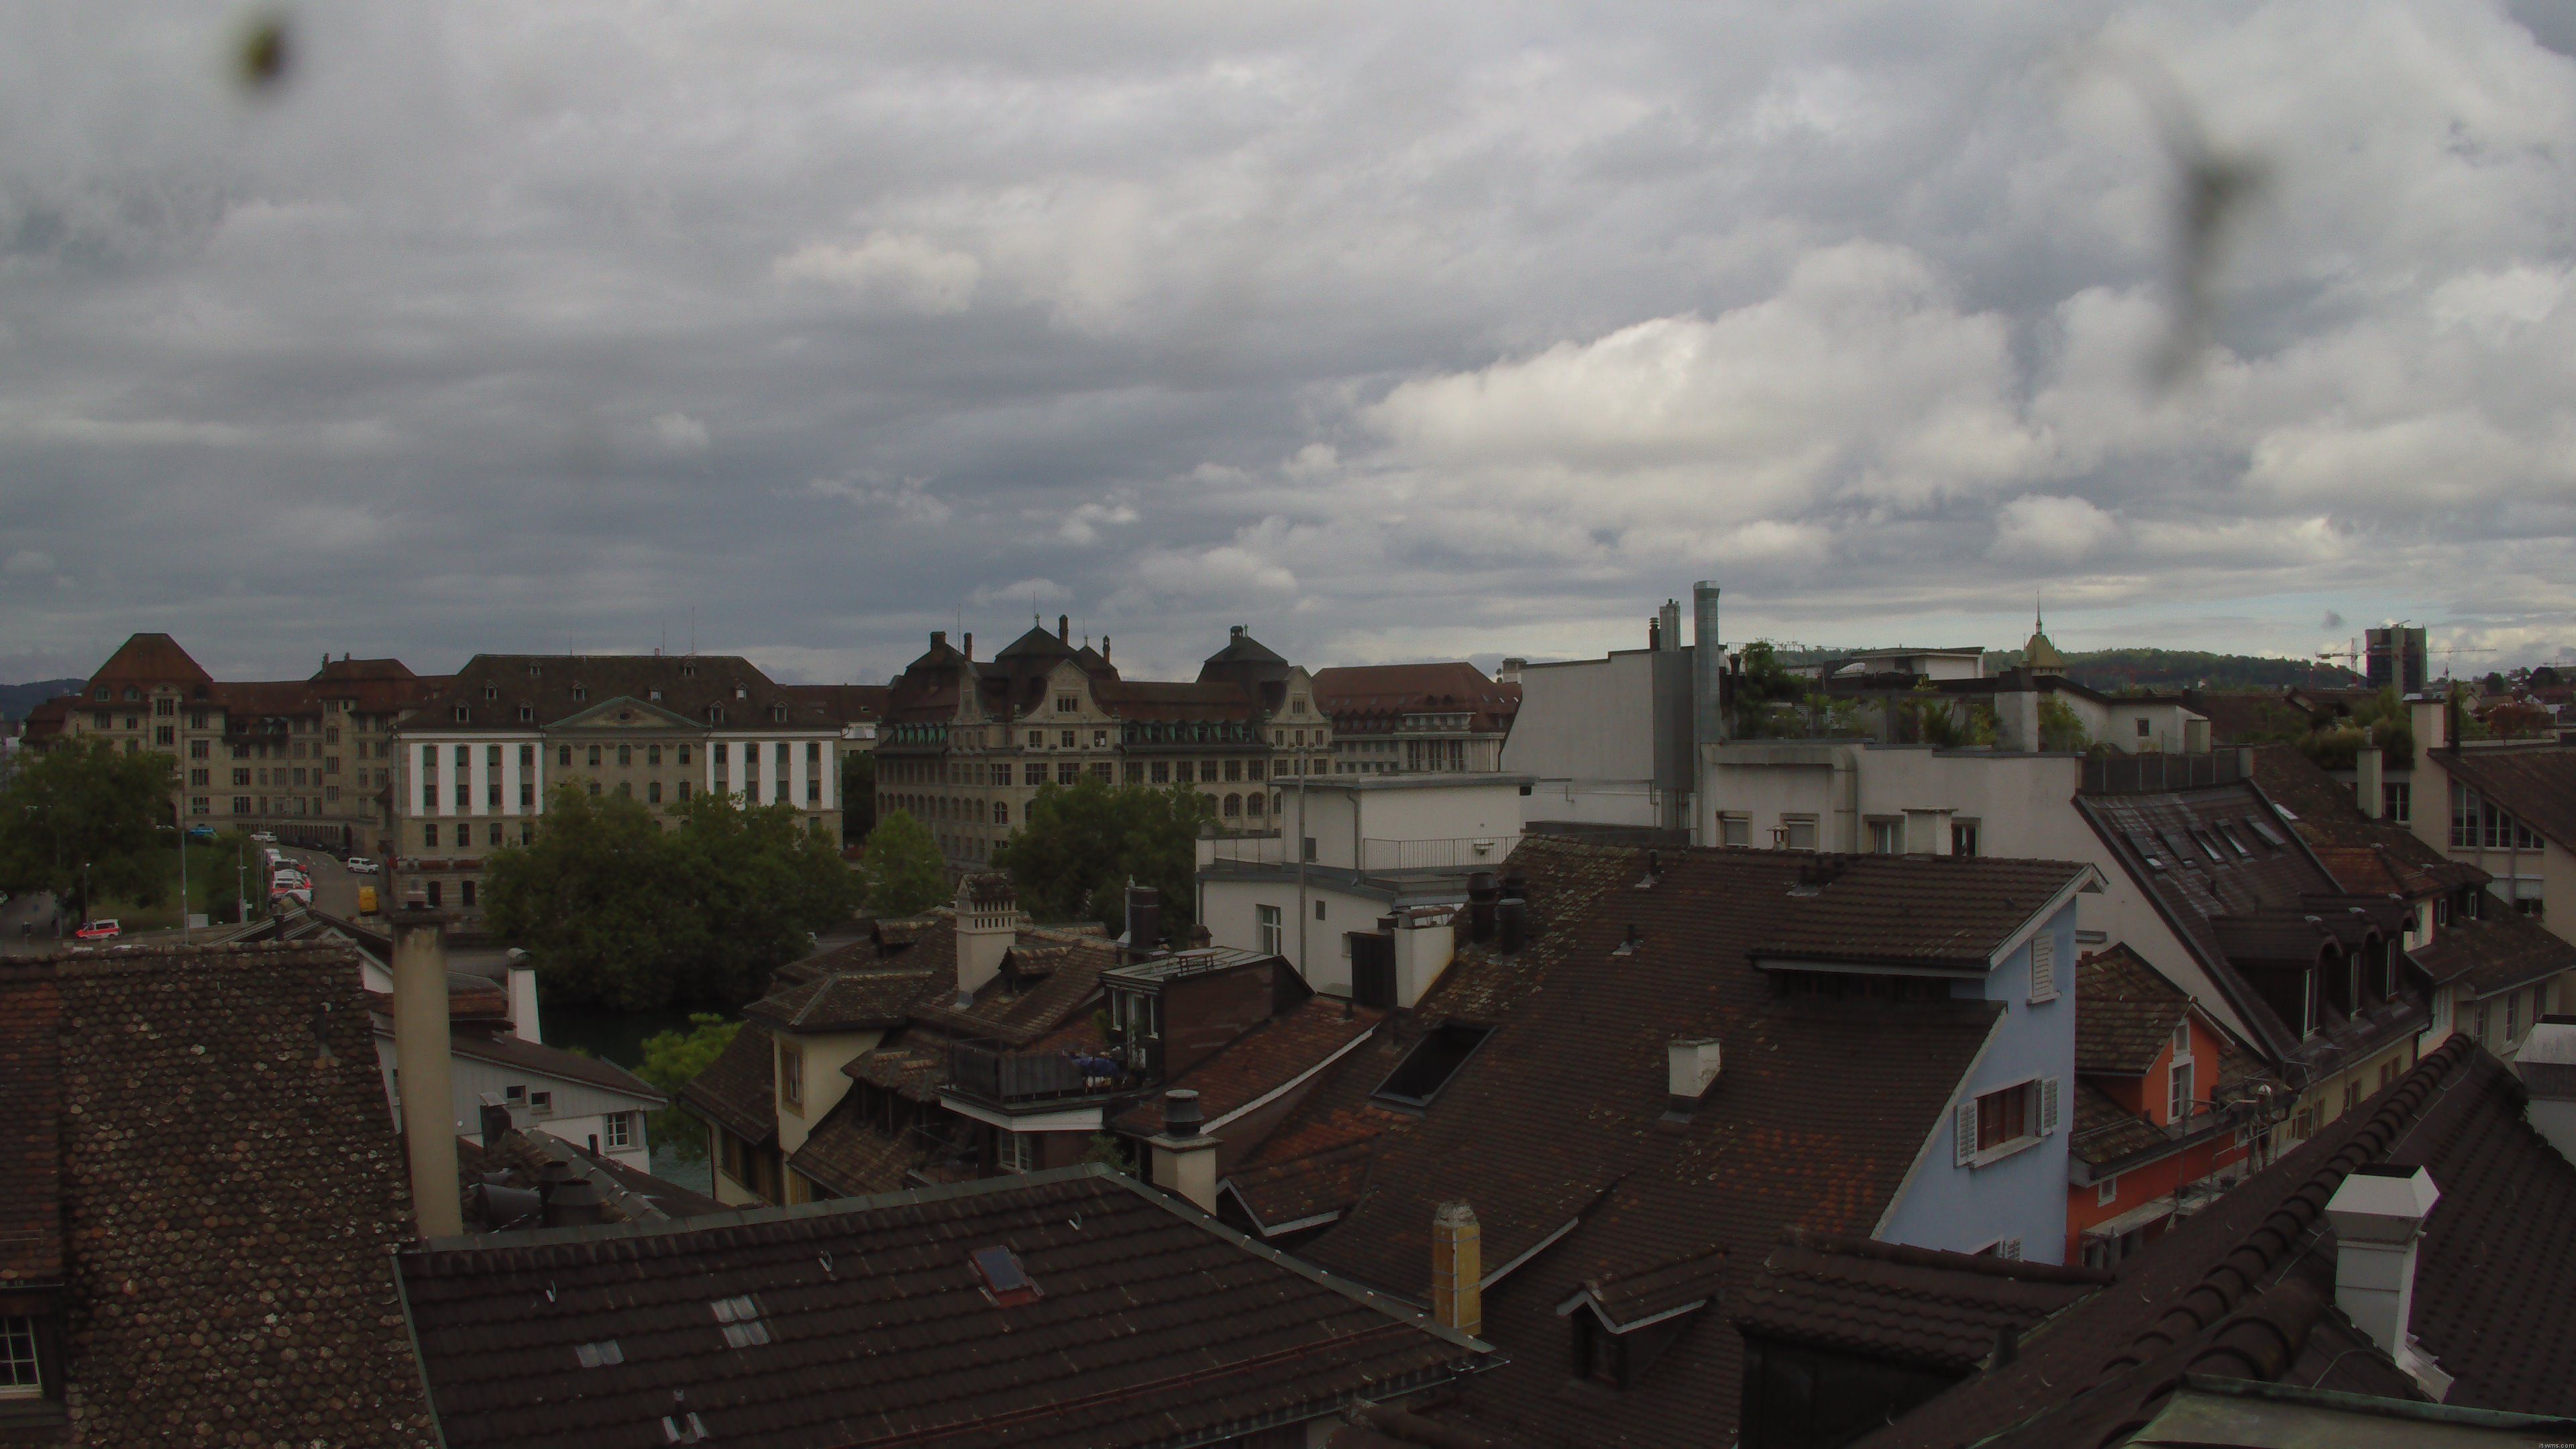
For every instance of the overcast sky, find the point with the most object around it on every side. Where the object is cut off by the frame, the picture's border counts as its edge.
(1394, 332)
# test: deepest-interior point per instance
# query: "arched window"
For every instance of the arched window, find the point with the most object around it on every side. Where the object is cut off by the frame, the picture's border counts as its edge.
(1252, 804)
(1233, 804)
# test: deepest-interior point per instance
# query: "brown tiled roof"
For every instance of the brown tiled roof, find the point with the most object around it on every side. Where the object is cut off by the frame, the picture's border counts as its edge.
(31, 1083)
(846, 703)
(1553, 1124)
(227, 1185)
(689, 686)
(1378, 693)
(1144, 699)
(842, 1001)
(519, 1160)
(738, 1091)
(1935, 1310)
(1150, 1324)
(47, 719)
(2365, 855)
(2494, 952)
(1948, 909)
(1262, 1060)
(1302, 1188)
(2105, 1131)
(911, 1067)
(1000, 1013)
(502, 1049)
(2495, 1302)
(151, 659)
(2538, 786)
(2242, 718)
(2124, 1012)
(850, 1158)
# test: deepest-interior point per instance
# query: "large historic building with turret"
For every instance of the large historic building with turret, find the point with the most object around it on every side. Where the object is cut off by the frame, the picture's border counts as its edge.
(967, 743)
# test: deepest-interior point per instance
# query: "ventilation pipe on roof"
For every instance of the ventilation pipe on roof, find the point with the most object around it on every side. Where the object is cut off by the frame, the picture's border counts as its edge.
(1184, 1156)
(1655, 634)
(2546, 1063)
(1511, 923)
(1668, 626)
(1482, 895)
(1144, 922)
(1690, 1069)
(2365, 780)
(1457, 1268)
(523, 998)
(2378, 1215)
(421, 1054)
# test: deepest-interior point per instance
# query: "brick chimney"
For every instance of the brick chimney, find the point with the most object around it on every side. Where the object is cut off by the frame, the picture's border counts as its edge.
(1457, 1269)
(1185, 1157)
(988, 921)
(421, 1055)
(2378, 1215)
(1064, 628)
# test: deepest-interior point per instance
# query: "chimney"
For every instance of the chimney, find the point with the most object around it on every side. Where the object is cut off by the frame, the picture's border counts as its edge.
(1511, 923)
(1426, 940)
(2365, 780)
(2378, 1215)
(2429, 717)
(1144, 922)
(988, 921)
(1064, 628)
(1457, 1269)
(421, 1055)
(1482, 895)
(1185, 1157)
(523, 998)
(1655, 634)
(2547, 1065)
(969, 650)
(1668, 622)
(1708, 662)
(496, 1120)
(1690, 1069)
(938, 638)
(1104, 648)
(572, 1199)
(1510, 673)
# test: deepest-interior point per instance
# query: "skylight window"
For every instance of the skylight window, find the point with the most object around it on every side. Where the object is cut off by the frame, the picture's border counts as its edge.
(1432, 1062)
(2148, 848)
(740, 1316)
(2175, 850)
(603, 1354)
(2264, 829)
(1006, 1282)
(2208, 847)
(2234, 841)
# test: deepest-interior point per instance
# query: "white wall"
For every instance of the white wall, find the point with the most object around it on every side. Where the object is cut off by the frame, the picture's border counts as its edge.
(1590, 719)
(1230, 912)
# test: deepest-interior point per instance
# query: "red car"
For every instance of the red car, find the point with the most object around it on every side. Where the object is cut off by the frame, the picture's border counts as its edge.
(98, 931)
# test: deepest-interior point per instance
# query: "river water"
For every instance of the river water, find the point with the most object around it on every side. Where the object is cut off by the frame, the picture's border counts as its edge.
(618, 1036)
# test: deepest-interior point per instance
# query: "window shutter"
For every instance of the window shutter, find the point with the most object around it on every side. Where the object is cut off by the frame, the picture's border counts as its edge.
(2009, 1248)
(2043, 967)
(1966, 1133)
(2047, 1106)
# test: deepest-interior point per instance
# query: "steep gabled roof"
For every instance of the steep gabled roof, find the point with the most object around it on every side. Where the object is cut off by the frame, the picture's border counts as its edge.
(738, 1091)
(2365, 855)
(1073, 1307)
(2125, 1013)
(1385, 691)
(2494, 952)
(151, 659)
(213, 1180)
(843, 1001)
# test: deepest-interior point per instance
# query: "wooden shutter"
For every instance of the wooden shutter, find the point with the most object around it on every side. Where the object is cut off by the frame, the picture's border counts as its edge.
(2009, 1248)
(2047, 1106)
(2043, 967)
(1966, 1133)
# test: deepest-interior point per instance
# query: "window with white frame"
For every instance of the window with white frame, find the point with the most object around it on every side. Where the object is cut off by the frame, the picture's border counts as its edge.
(1735, 830)
(1797, 832)
(20, 1374)
(1266, 929)
(2107, 1191)
(2000, 1122)
(1019, 1152)
(620, 1130)
(1887, 837)
(2178, 1084)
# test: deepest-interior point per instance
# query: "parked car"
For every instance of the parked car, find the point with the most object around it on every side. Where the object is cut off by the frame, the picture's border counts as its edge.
(264, 837)
(99, 931)
(360, 865)
(201, 832)
(301, 894)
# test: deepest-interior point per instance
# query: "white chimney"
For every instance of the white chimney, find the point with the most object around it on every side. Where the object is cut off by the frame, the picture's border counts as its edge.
(2366, 780)
(421, 1054)
(1927, 832)
(1184, 1156)
(1690, 1066)
(2378, 1216)
(988, 921)
(1426, 938)
(523, 998)
(2547, 1065)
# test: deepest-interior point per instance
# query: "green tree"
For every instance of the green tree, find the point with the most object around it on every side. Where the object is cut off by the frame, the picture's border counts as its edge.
(858, 796)
(601, 902)
(82, 820)
(1761, 681)
(2059, 728)
(763, 883)
(905, 874)
(672, 1060)
(1081, 844)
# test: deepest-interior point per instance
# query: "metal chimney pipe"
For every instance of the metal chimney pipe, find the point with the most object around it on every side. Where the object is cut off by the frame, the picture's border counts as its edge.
(1708, 664)
(421, 1055)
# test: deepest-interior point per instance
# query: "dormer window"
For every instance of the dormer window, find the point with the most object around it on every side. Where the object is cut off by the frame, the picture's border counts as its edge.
(778, 714)
(741, 693)
(491, 691)
(653, 695)
(532, 670)
(580, 692)
(688, 670)
(463, 715)
(527, 713)
(715, 715)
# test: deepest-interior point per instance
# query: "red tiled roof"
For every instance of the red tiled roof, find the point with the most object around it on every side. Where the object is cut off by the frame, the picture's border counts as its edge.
(1150, 1323)
(2125, 1013)
(1384, 691)
(738, 1091)
(151, 659)
(222, 1159)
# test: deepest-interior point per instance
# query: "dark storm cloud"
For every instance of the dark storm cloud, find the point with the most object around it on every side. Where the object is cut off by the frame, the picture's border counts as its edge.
(1475, 330)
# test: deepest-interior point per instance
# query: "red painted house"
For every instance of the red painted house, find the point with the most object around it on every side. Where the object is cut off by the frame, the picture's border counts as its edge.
(2164, 1107)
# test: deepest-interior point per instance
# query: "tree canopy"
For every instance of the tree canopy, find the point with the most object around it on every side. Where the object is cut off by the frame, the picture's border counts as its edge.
(1082, 844)
(86, 804)
(613, 908)
(672, 1060)
(905, 874)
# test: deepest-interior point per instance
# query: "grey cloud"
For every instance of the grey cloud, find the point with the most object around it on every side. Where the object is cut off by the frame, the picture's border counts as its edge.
(1466, 329)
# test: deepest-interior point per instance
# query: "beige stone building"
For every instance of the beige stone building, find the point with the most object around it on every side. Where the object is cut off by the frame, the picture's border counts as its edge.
(473, 766)
(1413, 719)
(306, 759)
(967, 743)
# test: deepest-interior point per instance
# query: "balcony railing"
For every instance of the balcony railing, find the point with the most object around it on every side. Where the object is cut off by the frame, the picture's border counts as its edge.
(993, 1075)
(1461, 853)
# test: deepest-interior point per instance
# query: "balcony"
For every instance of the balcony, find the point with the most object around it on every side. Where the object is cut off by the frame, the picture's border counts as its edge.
(1480, 852)
(1007, 1078)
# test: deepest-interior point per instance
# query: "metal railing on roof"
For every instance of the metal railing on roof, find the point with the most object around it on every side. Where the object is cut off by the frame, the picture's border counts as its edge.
(1456, 853)
(995, 1075)
(2154, 774)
